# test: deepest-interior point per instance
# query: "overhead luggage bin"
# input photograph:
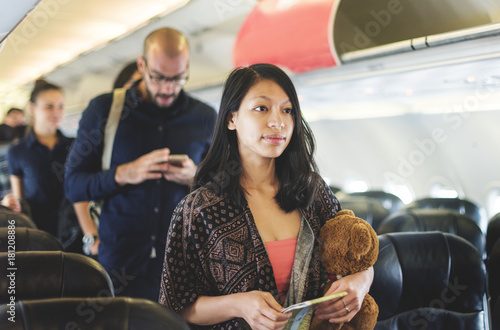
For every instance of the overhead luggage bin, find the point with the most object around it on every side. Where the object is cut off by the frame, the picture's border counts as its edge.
(363, 24)
(296, 35)
(309, 35)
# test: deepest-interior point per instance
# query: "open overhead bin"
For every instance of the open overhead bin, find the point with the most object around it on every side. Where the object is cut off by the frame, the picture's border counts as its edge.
(305, 35)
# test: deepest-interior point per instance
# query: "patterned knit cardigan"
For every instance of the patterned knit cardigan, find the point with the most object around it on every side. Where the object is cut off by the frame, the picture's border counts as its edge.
(214, 248)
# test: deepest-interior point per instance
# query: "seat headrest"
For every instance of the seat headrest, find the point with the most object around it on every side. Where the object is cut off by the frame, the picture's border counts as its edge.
(92, 313)
(459, 205)
(431, 269)
(51, 274)
(493, 232)
(28, 239)
(366, 208)
(390, 201)
(447, 221)
(494, 271)
(21, 220)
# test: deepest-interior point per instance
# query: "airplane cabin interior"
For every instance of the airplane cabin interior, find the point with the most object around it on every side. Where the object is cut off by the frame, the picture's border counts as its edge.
(403, 98)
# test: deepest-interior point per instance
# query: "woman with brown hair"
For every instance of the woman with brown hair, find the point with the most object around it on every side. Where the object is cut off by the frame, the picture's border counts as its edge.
(36, 163)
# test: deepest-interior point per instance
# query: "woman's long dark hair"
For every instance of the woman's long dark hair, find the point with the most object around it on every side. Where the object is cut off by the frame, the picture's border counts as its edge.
(295, 168)
(125, 75)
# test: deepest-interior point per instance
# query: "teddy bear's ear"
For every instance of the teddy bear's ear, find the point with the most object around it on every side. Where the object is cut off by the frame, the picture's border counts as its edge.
(361, 240)
(345, 212)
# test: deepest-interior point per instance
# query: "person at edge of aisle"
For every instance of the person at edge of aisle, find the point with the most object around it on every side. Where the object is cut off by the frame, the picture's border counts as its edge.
(242, 245)
(13, 126)
(141, 188)
(88, 222)
(127, 76)
(36, 163)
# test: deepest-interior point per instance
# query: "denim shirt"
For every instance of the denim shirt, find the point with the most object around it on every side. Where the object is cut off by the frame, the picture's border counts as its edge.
(135, 218)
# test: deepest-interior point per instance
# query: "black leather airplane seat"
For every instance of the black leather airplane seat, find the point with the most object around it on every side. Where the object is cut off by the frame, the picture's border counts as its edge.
(367, 208)
(335, 189)
(461, 206)
(9, 217)
(496, 315)
(389, 201)
(493, 232)
(91, 313)
(447, 221)
(28, 239)
(51, 274)
(429, 280)
(494, 272)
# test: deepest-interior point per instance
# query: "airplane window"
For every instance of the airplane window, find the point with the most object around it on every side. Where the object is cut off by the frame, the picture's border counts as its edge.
(400, 190)
(327, 180)
(493, 201)
(440, 190)
(355, 186)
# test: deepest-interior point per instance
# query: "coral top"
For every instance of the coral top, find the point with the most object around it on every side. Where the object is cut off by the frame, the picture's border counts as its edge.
(281, 254)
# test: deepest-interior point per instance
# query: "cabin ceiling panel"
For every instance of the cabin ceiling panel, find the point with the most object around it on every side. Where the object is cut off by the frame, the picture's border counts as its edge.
(38, 45)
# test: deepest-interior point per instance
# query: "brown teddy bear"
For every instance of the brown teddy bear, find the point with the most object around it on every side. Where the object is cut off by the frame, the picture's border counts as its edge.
(348, 245)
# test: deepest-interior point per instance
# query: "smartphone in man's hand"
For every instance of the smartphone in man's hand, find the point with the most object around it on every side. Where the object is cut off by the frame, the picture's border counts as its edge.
(177, 160)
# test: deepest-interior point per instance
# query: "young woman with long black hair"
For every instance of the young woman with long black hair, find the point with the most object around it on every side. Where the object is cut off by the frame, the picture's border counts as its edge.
(243, 244)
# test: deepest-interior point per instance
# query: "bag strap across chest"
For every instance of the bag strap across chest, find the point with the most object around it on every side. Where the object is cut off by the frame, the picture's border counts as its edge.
(112, 126)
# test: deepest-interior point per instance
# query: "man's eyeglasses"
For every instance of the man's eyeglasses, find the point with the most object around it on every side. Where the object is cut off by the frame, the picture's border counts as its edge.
(159, 79)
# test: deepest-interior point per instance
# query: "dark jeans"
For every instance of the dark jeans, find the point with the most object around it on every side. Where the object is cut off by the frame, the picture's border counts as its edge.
(139, 286)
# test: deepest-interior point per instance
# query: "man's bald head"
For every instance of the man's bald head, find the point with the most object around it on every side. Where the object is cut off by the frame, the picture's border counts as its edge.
(169, 41)
(164, 66)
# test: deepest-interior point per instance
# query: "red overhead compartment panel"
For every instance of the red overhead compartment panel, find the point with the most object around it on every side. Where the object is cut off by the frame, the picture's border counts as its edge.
(295, 34)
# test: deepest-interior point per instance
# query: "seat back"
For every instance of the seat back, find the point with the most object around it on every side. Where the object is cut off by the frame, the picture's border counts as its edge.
(496, 315)
(367, 208)
(91, 313)
(9, 217)
(28, 239)
(335, 189)
(390, 202)
(493, 232)
(429, 280)
(461, 206)
(51, 274)
(447, 221)
(494, 272)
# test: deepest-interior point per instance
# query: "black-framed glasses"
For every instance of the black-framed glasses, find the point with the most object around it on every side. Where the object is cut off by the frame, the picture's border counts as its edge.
(159, 79)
